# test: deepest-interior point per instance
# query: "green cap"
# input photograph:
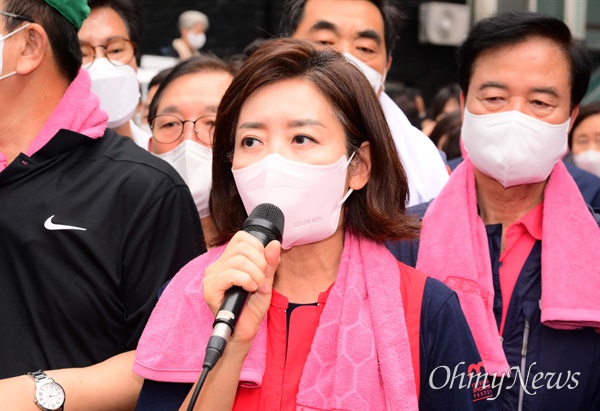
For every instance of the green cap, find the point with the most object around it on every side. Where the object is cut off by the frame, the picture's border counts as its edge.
(75, 11)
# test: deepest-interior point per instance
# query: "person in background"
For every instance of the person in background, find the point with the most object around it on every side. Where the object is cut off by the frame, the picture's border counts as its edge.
(411, 103)
(446, 135)
(365, 31)
(192, 26)
(109, 40)
(510, 232)
(300, 128)
(88, 228)
(190, 93)
(445, 101)
(584, 139)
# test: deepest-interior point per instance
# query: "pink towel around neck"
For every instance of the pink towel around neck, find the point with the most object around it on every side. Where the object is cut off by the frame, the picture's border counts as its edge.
(78, 110)
(345, 344)
(173, 343)
(454, 249)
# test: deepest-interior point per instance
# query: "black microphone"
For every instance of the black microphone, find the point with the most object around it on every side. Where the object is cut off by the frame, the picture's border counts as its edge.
(265, 223)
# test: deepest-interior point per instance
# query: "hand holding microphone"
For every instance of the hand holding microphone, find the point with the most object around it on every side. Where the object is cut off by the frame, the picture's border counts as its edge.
(247, 265)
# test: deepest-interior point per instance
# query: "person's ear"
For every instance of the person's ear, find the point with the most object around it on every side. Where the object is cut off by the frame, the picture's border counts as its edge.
(360, 167)
(150, 144)
(34, 49)
(388, 64)
(574, 114)
(462, 102)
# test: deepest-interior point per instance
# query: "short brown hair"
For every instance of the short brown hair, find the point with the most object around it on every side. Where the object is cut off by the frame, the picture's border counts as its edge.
(377, 211)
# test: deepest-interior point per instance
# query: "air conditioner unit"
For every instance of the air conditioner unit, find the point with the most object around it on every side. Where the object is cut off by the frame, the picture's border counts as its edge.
(444, 24)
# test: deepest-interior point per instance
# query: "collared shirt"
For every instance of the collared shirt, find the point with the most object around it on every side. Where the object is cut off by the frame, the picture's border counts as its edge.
(520, 239)
(286, 355)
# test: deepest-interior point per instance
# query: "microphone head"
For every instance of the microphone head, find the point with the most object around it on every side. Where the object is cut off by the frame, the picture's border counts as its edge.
(266, 219)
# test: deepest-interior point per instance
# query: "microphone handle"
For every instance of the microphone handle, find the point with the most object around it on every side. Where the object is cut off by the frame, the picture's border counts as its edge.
(233, 303)
(235, 298)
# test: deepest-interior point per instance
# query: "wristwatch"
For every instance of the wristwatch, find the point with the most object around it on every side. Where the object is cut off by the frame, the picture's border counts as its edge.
(49, 395)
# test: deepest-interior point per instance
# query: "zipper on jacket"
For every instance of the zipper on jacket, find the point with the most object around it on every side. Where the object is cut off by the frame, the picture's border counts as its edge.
(523, 363)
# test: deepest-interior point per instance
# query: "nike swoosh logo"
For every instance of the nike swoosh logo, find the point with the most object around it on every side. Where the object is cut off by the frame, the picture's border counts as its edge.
(49, 225)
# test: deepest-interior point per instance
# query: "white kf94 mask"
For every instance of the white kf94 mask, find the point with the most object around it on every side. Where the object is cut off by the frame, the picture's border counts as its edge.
(118, 90)
(193, 162)
(513, 148)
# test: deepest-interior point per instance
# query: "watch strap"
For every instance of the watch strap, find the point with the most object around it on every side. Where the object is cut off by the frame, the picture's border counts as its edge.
(38, 376)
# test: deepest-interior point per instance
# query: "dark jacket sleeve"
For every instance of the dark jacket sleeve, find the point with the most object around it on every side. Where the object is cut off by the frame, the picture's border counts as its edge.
(162, 396)
(166, 236)
(447, 354)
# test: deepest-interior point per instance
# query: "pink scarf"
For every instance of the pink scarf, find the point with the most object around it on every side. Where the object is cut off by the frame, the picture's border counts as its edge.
(78, 110)
(454, 249)
(173, 343)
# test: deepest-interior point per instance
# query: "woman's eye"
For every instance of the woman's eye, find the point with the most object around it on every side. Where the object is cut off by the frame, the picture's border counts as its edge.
(249, 142)
(301, 139)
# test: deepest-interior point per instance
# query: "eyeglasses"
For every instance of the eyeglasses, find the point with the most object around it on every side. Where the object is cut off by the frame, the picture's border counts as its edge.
(167, 128)
(117, 51)
(16, 16)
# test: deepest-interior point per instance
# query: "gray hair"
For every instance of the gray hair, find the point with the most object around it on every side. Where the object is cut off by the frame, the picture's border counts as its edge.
(190, 18)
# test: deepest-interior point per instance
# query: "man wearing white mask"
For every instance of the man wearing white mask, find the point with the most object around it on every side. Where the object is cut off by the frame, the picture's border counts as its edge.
(109, 39)
(365, 31)
(192, 26)
(510, 232)
(190, 93)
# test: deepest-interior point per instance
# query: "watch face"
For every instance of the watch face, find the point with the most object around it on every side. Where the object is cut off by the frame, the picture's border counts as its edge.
(50, 396)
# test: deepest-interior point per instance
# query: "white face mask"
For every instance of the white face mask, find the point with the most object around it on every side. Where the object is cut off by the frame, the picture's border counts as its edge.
(118, 89)
(588, 160)
(2, 50)
(197, 41)
(513, 148)
(375, 78)
(310, 196)
(193, 162)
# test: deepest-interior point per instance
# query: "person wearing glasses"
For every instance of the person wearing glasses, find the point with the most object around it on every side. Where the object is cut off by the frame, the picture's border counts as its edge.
(109, 39)
(182, 117)
(91, 226)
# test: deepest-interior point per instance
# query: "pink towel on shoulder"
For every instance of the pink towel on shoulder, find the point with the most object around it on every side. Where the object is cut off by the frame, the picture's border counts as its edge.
(454, 249)
(79, 110)
(173, 344)
(360, 356)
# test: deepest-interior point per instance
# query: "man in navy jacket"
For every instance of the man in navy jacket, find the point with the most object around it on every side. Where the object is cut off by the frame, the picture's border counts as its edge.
(511, 232)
